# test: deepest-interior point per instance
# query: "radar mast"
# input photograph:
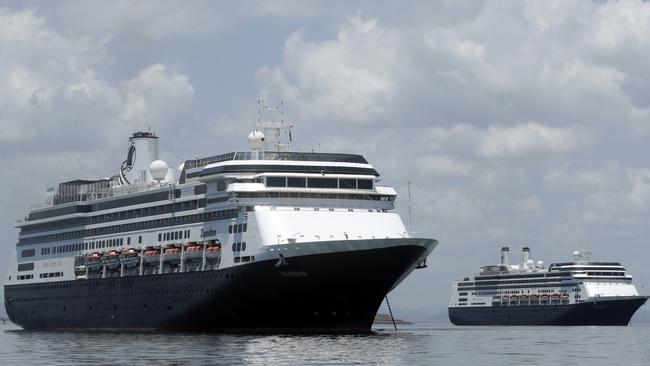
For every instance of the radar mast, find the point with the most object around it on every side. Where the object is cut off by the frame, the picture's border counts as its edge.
(272, 123)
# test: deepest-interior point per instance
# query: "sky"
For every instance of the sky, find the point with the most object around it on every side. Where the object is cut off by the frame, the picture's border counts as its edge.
(520, 123)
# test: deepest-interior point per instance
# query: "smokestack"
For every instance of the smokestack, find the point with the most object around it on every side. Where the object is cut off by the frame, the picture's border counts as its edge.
(505, 256)
(525, 255)
(143, 150)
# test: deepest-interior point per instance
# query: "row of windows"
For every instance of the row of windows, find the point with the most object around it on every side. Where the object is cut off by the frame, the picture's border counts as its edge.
(237, 228)
(25, 277)
(25, 267)
(482, 288)
(336, 196)
(115, 216)
(133, 200)
(492, 283)
(110, 284)
(28, 253)
(244, 259)
(98, 244)
(174, 235)
(605, 273)
(266, 168)
(141, 225)
(301, 182)
(239, 247)
(276, 155)
(51, 274)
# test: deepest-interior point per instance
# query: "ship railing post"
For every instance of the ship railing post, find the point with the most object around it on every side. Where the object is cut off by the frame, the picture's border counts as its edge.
(141, 262)
(121, 267)
(104, 271)
(203, 258)
(182, 266)
(162, 253)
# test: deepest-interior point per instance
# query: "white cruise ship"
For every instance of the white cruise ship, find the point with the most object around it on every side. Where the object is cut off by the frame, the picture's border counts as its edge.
(264, 239)
(581, 292)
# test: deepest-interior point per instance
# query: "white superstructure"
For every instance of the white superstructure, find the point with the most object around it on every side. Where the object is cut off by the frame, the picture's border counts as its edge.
(221, 211)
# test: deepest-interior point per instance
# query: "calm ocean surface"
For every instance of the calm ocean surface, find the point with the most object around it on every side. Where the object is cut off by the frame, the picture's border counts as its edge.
(420, 344)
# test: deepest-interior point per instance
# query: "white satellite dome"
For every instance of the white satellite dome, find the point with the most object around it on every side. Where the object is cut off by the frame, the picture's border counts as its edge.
(158, 170)
(256, 139)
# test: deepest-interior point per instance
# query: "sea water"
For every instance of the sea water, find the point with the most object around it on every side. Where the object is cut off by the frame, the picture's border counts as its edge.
(416, 344)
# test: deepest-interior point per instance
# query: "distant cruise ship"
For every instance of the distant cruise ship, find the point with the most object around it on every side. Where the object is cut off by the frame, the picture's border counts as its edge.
(581, 292)
(265, 239)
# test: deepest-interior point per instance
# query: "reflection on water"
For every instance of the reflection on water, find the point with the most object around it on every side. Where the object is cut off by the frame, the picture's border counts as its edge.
(411, 345)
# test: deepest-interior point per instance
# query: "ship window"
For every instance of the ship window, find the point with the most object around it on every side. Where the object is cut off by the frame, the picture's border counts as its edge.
(234, 247)
(322, 183)
(245, 227)
(348, 183)
(230, 229)
(276, 181)
(243, 246)
(237, 259)
(140, 239)
(28, 253)
(25, 267)
(221, 186)
(296, 182)
(239, 228)
(364, 184)
(238, 247)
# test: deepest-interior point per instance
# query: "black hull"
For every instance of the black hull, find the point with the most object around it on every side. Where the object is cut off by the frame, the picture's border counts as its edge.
(332, 292)
(606, 312)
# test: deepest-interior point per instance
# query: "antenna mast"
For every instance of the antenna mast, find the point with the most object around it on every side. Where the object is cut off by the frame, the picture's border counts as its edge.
(410, 218)
(277, 132)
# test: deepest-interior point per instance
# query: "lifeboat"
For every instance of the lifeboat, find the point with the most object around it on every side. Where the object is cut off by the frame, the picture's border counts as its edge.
(93, 261)
(130, 258)
(534, 297)
(111, 259)
(505, 298)
(213, 252)
(565, 296)
(193, 252)
(544, 297)
(151, 256)
(172, 254)
(555, 296)
(514, 298)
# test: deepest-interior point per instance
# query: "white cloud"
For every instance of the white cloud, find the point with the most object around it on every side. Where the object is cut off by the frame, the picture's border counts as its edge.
(527, 139)
(442, 165)
(49, 87)
(449, 204)
(347, 79)
(639, 195)
(157, 94)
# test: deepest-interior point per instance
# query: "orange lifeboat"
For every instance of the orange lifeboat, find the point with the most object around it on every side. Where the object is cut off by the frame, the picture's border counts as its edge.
(111, 259)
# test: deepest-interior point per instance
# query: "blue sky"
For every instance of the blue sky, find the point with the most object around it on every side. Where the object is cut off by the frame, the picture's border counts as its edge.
(517, 122)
